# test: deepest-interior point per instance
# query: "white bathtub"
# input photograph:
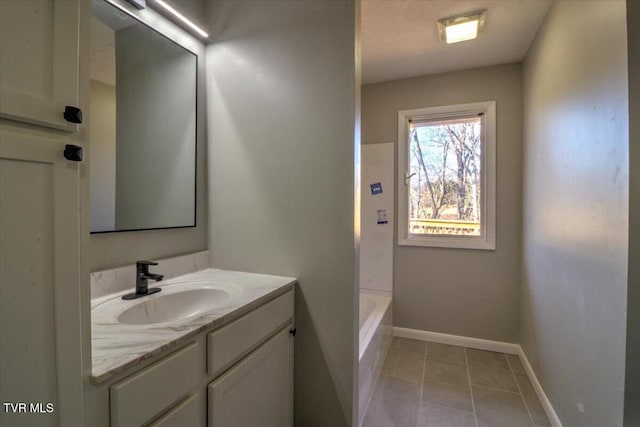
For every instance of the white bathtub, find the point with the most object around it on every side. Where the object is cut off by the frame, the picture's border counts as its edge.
(376, 324)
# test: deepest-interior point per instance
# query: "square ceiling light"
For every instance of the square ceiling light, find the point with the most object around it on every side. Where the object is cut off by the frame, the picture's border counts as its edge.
(461, 28)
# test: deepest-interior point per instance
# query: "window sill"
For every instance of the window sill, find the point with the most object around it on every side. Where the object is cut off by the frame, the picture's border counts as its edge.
(450, 242)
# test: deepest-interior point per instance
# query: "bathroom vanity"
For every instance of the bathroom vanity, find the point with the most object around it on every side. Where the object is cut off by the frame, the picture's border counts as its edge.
(171, 360)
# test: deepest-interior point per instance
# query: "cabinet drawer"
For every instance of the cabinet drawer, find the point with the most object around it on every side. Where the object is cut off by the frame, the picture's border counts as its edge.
(142, 396)
(185, 413)
(228, 344)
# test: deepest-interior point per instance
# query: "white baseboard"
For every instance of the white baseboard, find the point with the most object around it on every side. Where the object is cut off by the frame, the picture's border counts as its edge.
(498, 346)
(542, 396)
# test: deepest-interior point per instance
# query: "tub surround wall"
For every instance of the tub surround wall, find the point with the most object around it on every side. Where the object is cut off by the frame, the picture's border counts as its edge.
(576, 184)
(282, 79)
(376, 332)
(464, 292)
(119, 279)
(376, 238)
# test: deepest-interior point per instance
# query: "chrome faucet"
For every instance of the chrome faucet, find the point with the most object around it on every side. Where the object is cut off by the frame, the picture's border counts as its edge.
(142, 275)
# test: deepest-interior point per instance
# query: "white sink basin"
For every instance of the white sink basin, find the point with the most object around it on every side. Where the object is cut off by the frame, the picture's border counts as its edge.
(179, 301)
(174, 306)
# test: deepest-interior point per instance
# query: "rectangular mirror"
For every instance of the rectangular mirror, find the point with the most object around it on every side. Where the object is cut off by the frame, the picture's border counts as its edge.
(142, 126)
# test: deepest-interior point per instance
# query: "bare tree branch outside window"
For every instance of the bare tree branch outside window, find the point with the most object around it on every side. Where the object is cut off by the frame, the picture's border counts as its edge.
(444, 192)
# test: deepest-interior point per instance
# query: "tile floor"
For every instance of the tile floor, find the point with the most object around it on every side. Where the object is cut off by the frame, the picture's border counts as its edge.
(425, 384)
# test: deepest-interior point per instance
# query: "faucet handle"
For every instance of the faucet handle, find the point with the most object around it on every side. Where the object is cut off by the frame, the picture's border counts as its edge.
(146, 263)
(143, 266)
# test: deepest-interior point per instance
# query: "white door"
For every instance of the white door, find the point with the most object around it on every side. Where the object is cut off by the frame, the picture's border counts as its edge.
(40, 340)
(258, 391)
(39, 61)
(376, 217)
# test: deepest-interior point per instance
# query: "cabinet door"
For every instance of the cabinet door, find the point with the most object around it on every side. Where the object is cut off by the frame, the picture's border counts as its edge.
(150, 391)
(40, 337)
(258, 391)
(39, 61)
(188, 413)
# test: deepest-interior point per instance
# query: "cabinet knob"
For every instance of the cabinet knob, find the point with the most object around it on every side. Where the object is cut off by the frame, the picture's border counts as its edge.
(72, 114)
(293, 332)
(73, 153)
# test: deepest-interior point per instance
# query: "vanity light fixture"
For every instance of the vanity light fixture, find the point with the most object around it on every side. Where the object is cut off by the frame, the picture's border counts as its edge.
(138, 4)
(460, 28)
(182, 18)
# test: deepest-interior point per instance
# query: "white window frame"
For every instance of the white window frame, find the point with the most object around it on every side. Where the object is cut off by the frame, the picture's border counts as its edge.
(487, 238)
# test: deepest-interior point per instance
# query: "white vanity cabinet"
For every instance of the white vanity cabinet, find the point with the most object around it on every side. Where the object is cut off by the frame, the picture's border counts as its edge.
(258, 391)
(39, 53)
(186, 413)
(238, 374)
(142, 396)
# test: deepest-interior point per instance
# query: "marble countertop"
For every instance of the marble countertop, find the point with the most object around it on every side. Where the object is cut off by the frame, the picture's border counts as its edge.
(117, 347)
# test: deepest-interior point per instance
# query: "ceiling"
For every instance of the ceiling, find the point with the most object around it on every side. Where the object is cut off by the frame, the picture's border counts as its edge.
(399, 38)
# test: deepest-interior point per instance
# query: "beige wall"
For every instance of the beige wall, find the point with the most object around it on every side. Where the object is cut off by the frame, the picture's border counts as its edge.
(576, 210)
(632, 382)
(117, 249)
(282, 107)
(462, 292)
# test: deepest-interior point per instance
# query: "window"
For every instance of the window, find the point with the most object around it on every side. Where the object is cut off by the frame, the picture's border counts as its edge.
(446, 182)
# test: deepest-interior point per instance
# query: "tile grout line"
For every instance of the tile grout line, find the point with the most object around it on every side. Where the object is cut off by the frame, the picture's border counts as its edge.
(498, 389)
(513, 374)
(424, 371)
(435, 359)
(373, 391)
(395, 365)
(375, 385)
(394, 376)
(473, 403)
(393, 371)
